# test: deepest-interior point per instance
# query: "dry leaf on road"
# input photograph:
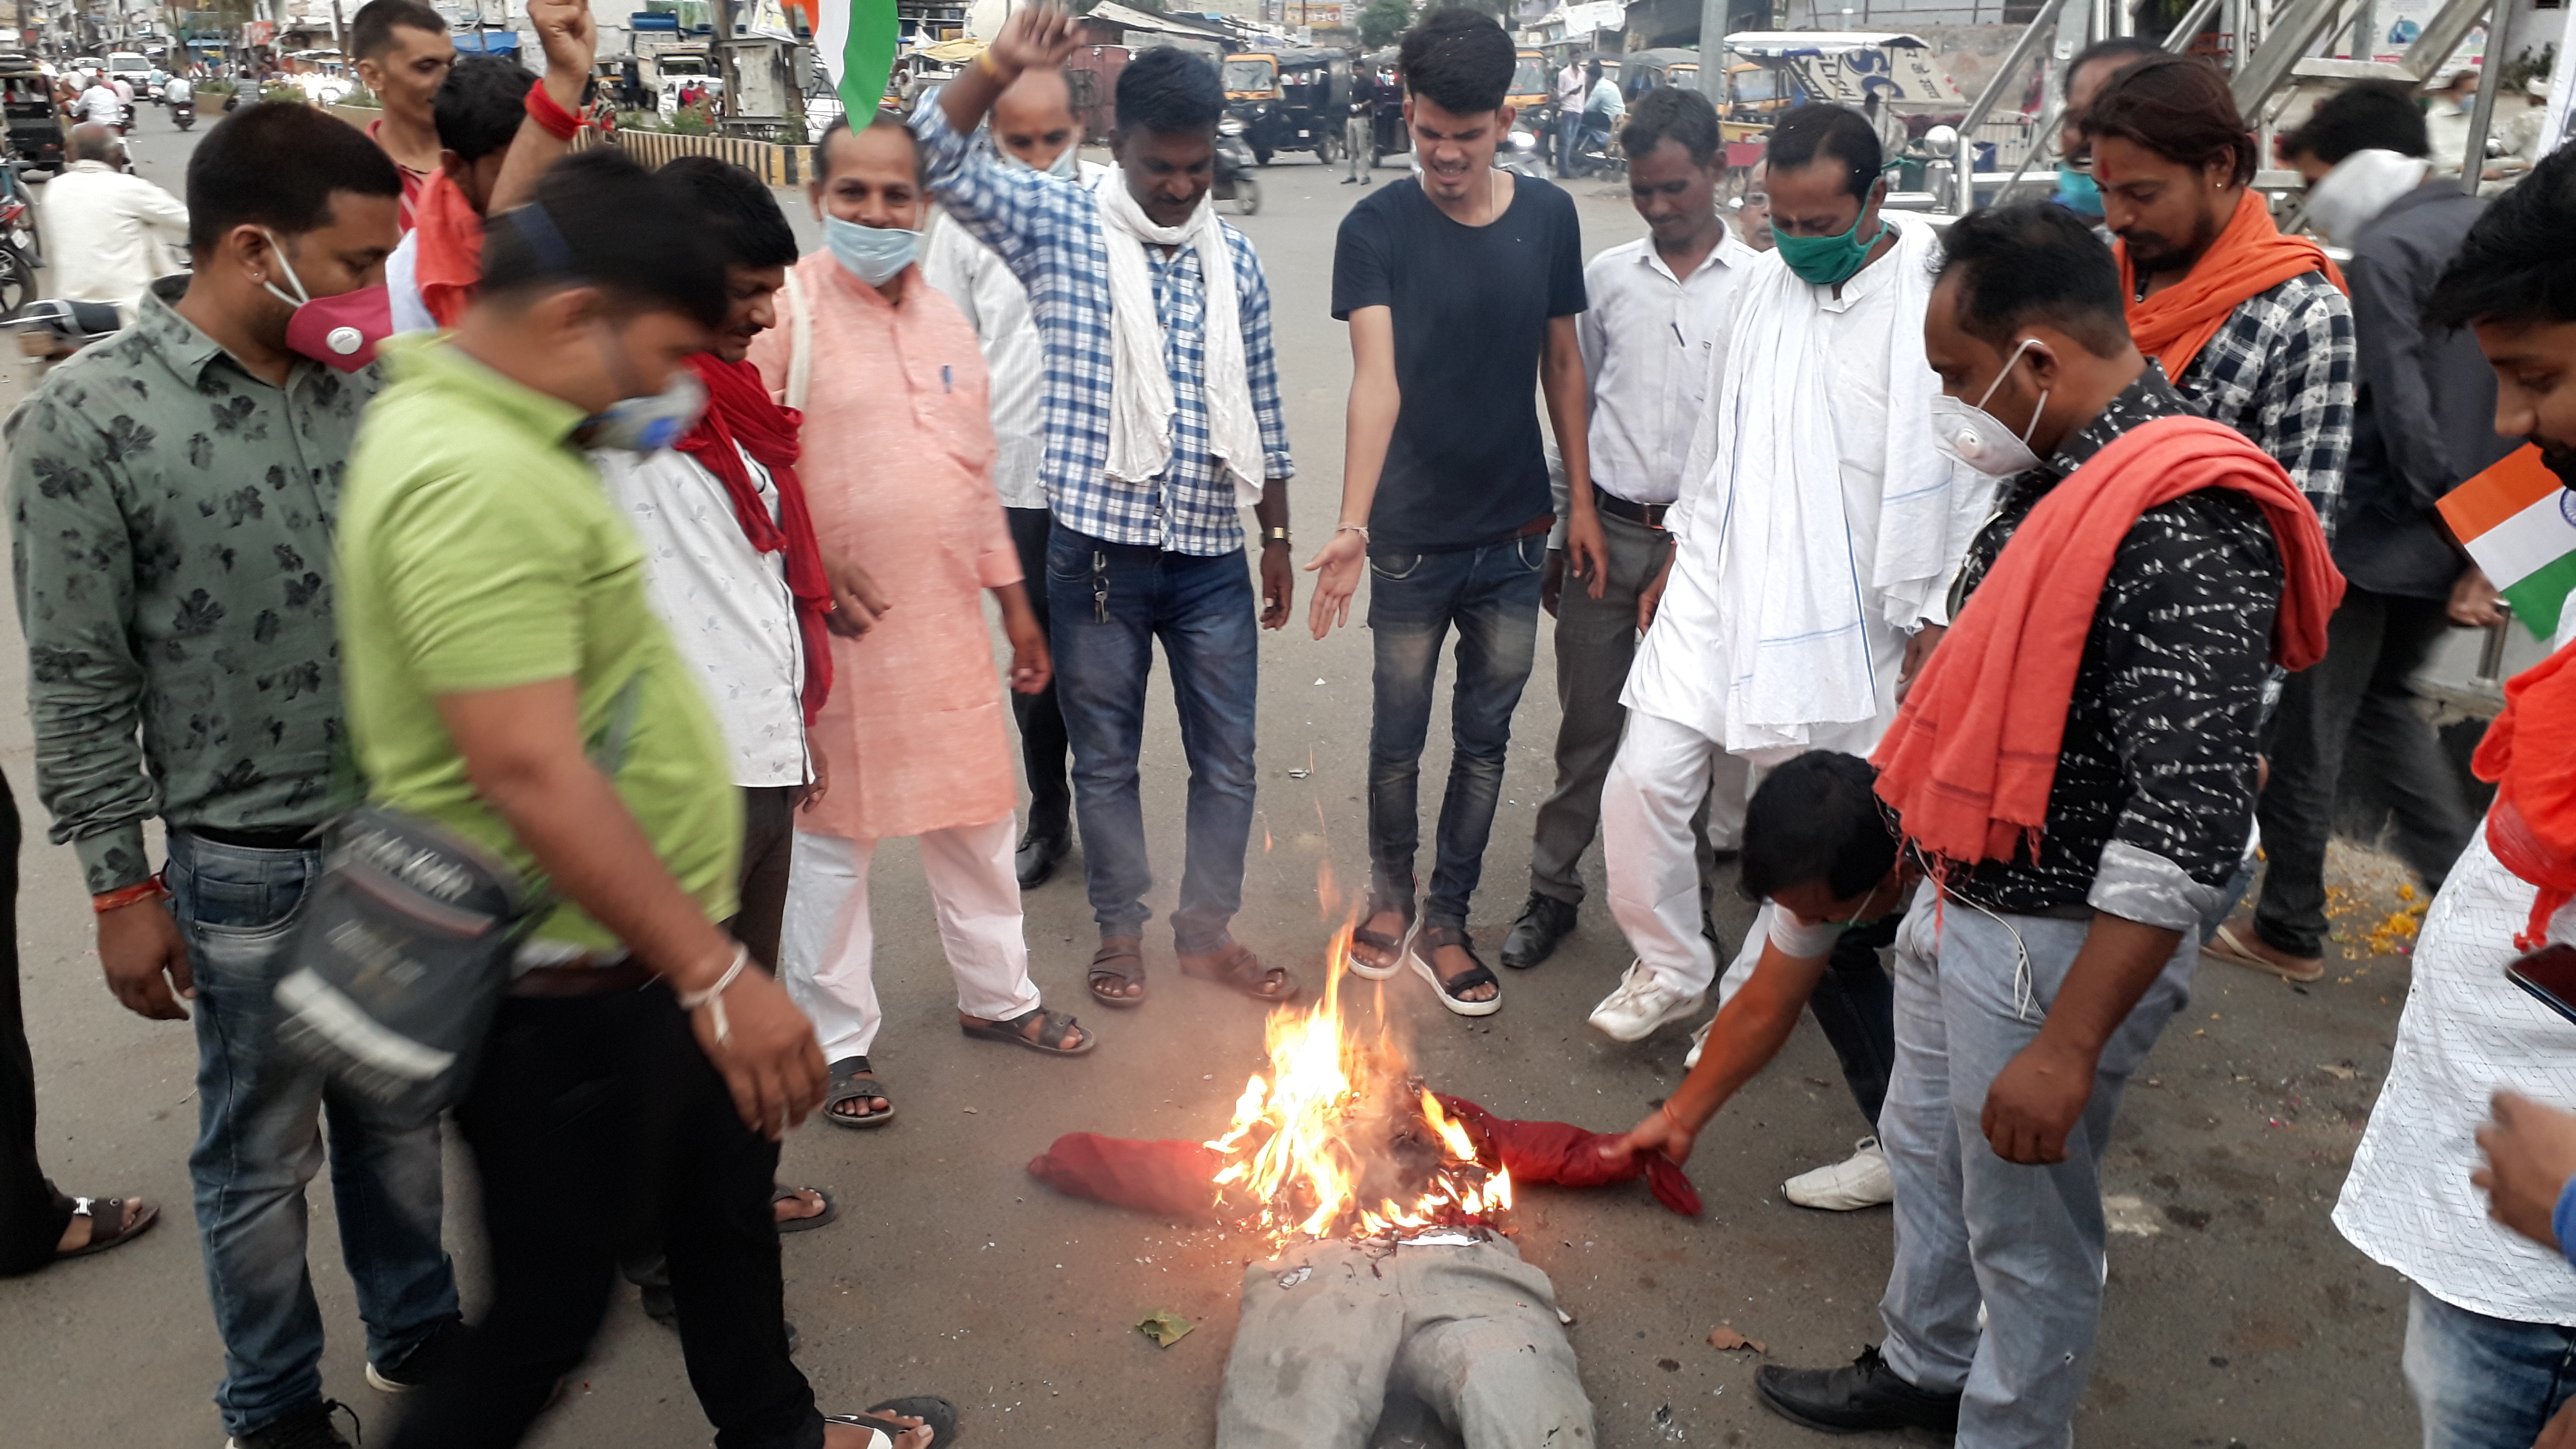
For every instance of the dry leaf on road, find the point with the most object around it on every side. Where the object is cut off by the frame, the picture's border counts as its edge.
(1727, 1338)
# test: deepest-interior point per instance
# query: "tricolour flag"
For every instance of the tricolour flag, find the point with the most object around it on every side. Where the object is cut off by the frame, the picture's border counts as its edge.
(2520, 526)
(856, 41)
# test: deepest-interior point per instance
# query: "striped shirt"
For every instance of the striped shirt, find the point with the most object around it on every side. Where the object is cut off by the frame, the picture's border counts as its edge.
(1048, 231)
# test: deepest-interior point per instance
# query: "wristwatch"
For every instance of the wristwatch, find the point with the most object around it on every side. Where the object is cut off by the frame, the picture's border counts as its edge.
(1270, 536)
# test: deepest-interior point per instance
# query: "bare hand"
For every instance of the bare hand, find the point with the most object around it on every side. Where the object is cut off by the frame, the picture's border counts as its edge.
(820, 767)
(2530, 1155)
(770, 1061)
(145, 960)
(1036, 38)
(1918, 652)
(1551, 581)
(1652, 598)
(569, 36)
(857, 603)
(2034, 1102)
(2561, 1430)
(1336, 567)
(1278, 585)
(2473, 600)
(1660, 1132)
(1587, 553)
(1031, 666)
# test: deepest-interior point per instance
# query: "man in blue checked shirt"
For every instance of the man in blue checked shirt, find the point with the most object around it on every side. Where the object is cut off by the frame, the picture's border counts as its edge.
(1162, 420)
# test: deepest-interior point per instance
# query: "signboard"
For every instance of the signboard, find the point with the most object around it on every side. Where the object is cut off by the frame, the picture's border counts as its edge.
(1595, 15)
(2401, 23)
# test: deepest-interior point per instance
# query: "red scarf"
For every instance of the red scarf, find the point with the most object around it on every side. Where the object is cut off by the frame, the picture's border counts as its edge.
(739, 411)
(2530, 754)
(450, 263)
(2250, 257)
(1970, 759)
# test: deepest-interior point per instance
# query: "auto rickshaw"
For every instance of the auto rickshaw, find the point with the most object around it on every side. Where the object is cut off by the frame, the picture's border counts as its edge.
(1289, 100)
(35, 125)
(1387, 130)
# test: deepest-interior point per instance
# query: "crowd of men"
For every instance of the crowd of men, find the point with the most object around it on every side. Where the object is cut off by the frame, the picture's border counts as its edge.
(1970, 594)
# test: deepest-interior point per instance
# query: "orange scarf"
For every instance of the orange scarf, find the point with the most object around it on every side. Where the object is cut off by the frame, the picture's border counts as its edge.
(2530, 754)
(2249, 258)
(450, 264)
(1974, 749)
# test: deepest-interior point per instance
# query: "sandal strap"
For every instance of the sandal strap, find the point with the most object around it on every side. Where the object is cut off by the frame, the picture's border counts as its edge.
(1104, 962)
(1434, 937)
(1054, 1026)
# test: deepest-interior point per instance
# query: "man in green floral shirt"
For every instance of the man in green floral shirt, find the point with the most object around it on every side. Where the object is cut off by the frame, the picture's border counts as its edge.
(172, 496)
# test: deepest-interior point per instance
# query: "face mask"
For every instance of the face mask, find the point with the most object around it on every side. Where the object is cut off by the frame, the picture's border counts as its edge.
(1827, 261)
(2078, 192)
(340, 331)
(873, 254)
(650, 424)
(1067, 163)
(1978, 438)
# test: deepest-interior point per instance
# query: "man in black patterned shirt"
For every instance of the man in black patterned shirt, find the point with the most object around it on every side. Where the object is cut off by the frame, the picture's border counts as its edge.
(2051, 972)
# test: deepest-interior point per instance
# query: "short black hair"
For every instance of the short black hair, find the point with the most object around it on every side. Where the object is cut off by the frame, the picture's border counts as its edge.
(2364, 116)
(737, 209)
(1458, 59)
(600, 220)
(2515, 265)
(1169, 92)
(1671, 112)
(2117, 47)
(840, 126)
(2179, 107)
(1811, 133)
(1816, 817)
(276, 164)
(371, 30)
(2034, 261)
(479, 106)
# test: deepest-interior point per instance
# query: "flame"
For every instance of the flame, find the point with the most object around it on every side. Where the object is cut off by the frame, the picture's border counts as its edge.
(1327, 1143)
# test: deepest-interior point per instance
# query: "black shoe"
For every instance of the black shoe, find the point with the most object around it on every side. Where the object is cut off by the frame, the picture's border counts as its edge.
(1543, 923)
(1350, 181)
(426, 1361)
(1867, 1395)
(1039, 855)
(309, 1427)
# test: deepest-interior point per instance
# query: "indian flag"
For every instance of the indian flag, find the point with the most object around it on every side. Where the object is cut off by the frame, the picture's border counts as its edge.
(856, 41)
(2520, 526)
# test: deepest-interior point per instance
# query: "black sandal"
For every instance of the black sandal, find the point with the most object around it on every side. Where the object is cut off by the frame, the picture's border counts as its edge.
(780, 1192)
(1432, 938)
(102, 1211)
(849, 1086)
(1107, 965)
(930, 1409)
(1391, 950)
(1240, 970)
(1054, 1027)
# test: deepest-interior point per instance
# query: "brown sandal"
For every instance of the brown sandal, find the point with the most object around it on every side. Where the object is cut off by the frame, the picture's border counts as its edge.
(1234, 966)
(1108, 966)
(107, 1224)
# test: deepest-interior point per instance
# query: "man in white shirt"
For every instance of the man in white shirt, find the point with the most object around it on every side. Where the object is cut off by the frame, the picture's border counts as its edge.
(1571, 88)
(1657, 304)
(1032, 125)
(108, 234)
(1817, 532)
(101, 104)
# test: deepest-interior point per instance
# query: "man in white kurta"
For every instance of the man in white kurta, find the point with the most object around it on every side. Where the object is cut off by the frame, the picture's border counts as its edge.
(1816, 535)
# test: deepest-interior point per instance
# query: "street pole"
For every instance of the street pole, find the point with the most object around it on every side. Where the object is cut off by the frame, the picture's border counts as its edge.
(1712, 53)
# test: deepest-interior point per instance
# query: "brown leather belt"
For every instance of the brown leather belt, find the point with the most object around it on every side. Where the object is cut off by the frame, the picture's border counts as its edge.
(1649, 514)
(586, 976)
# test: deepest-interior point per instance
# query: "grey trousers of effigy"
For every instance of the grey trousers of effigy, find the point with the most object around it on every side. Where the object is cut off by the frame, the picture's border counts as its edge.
(1469, 1330)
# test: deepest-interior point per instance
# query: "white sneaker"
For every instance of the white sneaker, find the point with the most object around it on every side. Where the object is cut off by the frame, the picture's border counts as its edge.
(1641, 1004)
(1860, 1181)
(1699, 1043)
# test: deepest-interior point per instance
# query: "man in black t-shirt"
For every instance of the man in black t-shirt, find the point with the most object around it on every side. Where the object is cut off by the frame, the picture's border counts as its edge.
(1461, 287)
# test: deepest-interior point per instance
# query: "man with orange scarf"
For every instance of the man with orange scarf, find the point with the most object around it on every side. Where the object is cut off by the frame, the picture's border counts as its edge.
(2075, 768)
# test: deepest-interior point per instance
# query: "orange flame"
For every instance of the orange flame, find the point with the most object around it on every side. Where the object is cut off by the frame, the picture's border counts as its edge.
(1329, 1141)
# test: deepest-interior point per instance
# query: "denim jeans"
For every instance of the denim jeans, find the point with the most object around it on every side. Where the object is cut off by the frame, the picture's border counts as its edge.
(2484, 1383)
(1110, 602)
(1569, 125)
(1490, 596)
(261, 1129)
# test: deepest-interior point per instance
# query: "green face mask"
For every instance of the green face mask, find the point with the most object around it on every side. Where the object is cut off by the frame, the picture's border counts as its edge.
(1828, 260)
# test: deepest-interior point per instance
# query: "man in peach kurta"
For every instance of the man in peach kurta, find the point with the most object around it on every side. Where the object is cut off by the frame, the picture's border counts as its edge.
(898, 455)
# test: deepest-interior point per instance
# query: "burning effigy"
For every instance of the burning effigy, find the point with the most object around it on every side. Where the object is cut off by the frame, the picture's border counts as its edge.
(1381, 1208)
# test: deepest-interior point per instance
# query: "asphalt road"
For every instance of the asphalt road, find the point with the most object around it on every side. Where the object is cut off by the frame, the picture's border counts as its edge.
(2236, 1315)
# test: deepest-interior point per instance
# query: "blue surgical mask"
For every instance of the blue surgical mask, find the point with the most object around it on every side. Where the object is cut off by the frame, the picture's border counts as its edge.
(873, 254)
(1067, 163)
(653, 422)
(2078, 192)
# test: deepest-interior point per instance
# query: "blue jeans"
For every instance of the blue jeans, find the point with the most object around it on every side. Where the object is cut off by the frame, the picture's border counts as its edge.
(261, 1126)
(1110, 602)
(1569, 127)
(2484, 1383)
(1490, 596)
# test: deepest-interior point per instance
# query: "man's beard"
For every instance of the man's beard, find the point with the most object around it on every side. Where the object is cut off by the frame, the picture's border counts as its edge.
(2558, 459)
(2159, 255)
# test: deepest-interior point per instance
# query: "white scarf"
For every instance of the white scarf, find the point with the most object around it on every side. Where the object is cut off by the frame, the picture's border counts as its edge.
(1792, 599)
(1140, 389)
(2358, 189)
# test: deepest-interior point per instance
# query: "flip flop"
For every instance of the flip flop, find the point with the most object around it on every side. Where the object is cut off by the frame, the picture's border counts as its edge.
(109, 1210)
(847, 1085)
(2228, 946)
(780, 1192)
(930, 1409)
(1050, 1038)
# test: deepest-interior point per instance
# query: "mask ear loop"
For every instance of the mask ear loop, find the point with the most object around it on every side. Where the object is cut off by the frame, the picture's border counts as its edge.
(277, 249)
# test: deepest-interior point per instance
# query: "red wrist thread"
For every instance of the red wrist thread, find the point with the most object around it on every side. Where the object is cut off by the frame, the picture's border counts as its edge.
(123, 896)
(542, 109)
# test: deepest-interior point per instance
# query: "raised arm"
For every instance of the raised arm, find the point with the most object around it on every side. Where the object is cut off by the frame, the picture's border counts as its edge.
(571, 42)
(1005, 208)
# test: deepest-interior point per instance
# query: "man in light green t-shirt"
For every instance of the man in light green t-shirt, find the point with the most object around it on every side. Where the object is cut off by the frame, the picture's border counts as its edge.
(508, 680)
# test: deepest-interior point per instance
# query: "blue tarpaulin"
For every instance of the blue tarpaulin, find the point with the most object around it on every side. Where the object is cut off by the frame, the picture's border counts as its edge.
(488, 42)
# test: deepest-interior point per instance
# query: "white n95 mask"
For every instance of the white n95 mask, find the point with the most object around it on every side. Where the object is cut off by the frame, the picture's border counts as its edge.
(1980, 439)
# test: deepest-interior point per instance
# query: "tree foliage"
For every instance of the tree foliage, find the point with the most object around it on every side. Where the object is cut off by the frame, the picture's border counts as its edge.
(1383, 21)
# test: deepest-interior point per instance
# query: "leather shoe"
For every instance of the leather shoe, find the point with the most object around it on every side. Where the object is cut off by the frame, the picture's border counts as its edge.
(1038, 857)
(1866, 1395)
(1543, 923)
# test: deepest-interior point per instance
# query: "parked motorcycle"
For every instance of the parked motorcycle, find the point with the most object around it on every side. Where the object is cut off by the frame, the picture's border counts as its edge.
(1234, 167)
(52, 329)
(1522, 154)
(20, 255)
